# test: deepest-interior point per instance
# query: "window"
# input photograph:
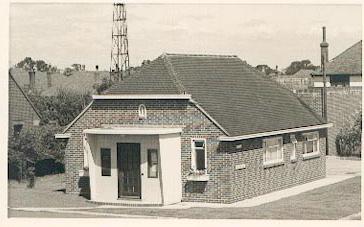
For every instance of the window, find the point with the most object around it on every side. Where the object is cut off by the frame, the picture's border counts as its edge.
(273, 150)
(152, 163)
(105, 162)
(339, 80)
(198, 156)
(17, 128)
(142, 111)
(294, 147)
(311, 145)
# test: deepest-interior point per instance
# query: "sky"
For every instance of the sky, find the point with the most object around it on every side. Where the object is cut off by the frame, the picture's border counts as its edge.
(63, 34)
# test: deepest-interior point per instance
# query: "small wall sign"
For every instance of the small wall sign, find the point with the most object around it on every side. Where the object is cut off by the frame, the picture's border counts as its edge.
(240, 166)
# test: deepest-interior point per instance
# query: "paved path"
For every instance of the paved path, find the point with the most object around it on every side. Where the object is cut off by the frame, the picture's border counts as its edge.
(79, 211)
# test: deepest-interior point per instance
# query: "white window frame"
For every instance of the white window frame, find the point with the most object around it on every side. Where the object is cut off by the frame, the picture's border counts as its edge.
(316, 137)
(278, 160)
(294, 148)
(142, 111)
(193, 153)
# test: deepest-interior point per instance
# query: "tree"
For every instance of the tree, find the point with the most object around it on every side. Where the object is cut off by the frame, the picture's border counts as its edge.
(40, 65)
(105, 84)
(265, 69)
(68, 71)
(27, 64)
(348, 140)
(63, 107)
(76, 67)
(296, 66)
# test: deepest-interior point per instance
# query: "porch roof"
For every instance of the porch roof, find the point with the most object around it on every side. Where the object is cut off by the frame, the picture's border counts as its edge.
(132, 131)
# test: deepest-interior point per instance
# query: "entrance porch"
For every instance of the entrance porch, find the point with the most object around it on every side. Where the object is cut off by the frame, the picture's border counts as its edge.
(136, 165)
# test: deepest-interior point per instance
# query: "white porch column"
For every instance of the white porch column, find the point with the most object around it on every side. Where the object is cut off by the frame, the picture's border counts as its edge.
(170, 166)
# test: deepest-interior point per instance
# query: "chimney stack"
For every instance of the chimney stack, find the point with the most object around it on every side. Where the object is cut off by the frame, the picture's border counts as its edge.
(31, 80)
(49, 79)
(324, 59)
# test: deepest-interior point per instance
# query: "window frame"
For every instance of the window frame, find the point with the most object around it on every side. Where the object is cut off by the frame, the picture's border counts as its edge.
(193, 154)
(149, 151)
(316, 137)
(105, 171)
(265, 143)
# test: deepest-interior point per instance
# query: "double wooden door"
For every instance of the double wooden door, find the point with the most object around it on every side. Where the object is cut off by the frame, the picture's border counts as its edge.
(128, 163)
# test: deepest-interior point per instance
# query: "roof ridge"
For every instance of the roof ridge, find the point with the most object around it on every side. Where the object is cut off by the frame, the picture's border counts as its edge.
(172, 73)
(201, 55)
(346, 50)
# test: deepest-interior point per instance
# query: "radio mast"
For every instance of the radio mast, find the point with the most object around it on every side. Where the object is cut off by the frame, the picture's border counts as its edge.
(119, 67)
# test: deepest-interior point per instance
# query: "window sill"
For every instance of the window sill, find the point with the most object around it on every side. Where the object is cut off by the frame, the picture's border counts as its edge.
(272, 164)
(310, 156)
(203, 177)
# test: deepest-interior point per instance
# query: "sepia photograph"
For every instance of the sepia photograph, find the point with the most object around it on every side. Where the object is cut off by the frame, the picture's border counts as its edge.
(184, 111)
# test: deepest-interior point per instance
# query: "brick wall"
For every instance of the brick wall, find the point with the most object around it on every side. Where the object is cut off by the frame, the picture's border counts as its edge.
(20, 109)
(256, 179)
(343, 103)
(163, 112)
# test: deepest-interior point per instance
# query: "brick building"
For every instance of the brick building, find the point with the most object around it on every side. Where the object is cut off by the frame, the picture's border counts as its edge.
(205, 128)
(22, 113)
(301, 80)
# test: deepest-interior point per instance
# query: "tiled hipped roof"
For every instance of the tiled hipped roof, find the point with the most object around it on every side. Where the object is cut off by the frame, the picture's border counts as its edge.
(242, 100)
(346, 63)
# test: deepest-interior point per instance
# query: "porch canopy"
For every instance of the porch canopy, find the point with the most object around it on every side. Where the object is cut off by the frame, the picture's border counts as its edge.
(166, 188)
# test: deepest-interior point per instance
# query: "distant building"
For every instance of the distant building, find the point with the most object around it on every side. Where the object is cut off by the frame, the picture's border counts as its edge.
(48, 84)
(344, 70)
(301, 80)
(22, 113)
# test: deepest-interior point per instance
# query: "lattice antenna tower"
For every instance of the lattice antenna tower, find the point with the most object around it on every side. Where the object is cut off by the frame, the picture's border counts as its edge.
(119, 48)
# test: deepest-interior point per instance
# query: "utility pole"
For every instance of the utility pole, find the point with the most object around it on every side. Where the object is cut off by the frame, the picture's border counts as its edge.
(119, 67)
(324, 59)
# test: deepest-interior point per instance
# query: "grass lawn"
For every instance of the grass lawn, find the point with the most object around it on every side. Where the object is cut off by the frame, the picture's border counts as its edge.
(48, 192)
(330, 202)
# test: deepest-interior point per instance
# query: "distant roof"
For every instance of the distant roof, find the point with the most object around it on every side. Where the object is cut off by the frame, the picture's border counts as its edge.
(81, 81)
(303, 73)
(25, 96)
(242, 100)
(346, 63)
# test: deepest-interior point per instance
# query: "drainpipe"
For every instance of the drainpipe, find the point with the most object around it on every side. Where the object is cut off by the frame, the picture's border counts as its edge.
(324, 59)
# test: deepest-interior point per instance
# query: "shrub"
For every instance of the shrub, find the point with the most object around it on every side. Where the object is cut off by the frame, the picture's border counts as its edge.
(348, 140)
(103, 86)
(33, 145)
